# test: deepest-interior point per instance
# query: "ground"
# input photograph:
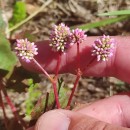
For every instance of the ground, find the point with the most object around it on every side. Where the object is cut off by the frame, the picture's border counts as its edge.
(73, 12)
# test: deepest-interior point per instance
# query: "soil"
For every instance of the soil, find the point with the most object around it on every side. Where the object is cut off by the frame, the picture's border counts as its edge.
(71, 12)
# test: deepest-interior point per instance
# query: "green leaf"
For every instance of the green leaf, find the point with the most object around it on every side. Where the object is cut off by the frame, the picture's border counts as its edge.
(7, 57)
(38, 109)
(19, 13)
(101, 23)
(34, 94)
(40, 106)
(63, 97)
(118, 12)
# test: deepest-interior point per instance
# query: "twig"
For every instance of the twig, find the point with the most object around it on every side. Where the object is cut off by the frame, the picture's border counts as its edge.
(31, 16)
(4, 113)
(14, 110)
(46, 102)
(63, 9)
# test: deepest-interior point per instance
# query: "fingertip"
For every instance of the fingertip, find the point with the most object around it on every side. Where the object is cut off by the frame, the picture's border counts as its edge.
(53, 120)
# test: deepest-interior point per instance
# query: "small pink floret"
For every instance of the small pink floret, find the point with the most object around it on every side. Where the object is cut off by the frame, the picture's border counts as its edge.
(25, 49)
(78, 36)
(103, 48)
(59, 38)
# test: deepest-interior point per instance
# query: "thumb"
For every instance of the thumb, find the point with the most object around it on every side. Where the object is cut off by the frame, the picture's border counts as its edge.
(53, 120)
(69, 120)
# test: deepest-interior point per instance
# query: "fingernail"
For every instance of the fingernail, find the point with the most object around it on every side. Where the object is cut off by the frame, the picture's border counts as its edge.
(53, 120)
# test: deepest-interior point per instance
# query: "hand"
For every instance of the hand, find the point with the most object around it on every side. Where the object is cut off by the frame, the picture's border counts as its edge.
(113, 110)
(107, 114)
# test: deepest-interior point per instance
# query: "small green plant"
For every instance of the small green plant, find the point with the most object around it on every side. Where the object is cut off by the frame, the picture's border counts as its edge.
(33, 94)
(19, 13)
(47, 102)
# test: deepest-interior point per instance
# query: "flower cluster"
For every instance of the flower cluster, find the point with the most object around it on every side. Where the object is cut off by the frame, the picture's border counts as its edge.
(59, 39)
(62, 38)
(78, 36)
(25, 49)
(103, 48)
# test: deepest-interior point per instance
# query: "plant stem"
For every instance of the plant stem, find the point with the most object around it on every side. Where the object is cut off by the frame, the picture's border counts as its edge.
(73, 90)
(4, 113)
(59, 87)
(78, 55)
(56, 94)
(43, 70)
(46, 102)
(58, 66)
(79, 73)
(56, 78)
(52, 81)
(13, 108)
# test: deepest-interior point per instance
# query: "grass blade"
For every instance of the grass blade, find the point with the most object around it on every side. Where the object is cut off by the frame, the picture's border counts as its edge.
(101, 23)
(118, 12)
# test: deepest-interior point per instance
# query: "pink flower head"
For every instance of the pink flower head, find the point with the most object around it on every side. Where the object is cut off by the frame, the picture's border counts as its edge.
(103, 48)
(78, 36)
(25, 49)
(59, 39)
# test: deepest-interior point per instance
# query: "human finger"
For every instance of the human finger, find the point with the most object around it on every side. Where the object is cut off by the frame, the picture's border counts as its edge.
(117, 66)
(69, 120)
(113, 110)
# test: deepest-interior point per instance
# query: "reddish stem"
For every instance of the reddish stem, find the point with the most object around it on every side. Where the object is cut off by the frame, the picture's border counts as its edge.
(52, 81)
(78, 55)
(13, 108)
(43, 70)
(79, 73)
(4, 113)
(56, 94)
(73, 90)
(55, 79)
(58, 66)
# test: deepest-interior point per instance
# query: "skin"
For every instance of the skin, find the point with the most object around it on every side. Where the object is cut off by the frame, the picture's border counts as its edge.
(108, 114)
